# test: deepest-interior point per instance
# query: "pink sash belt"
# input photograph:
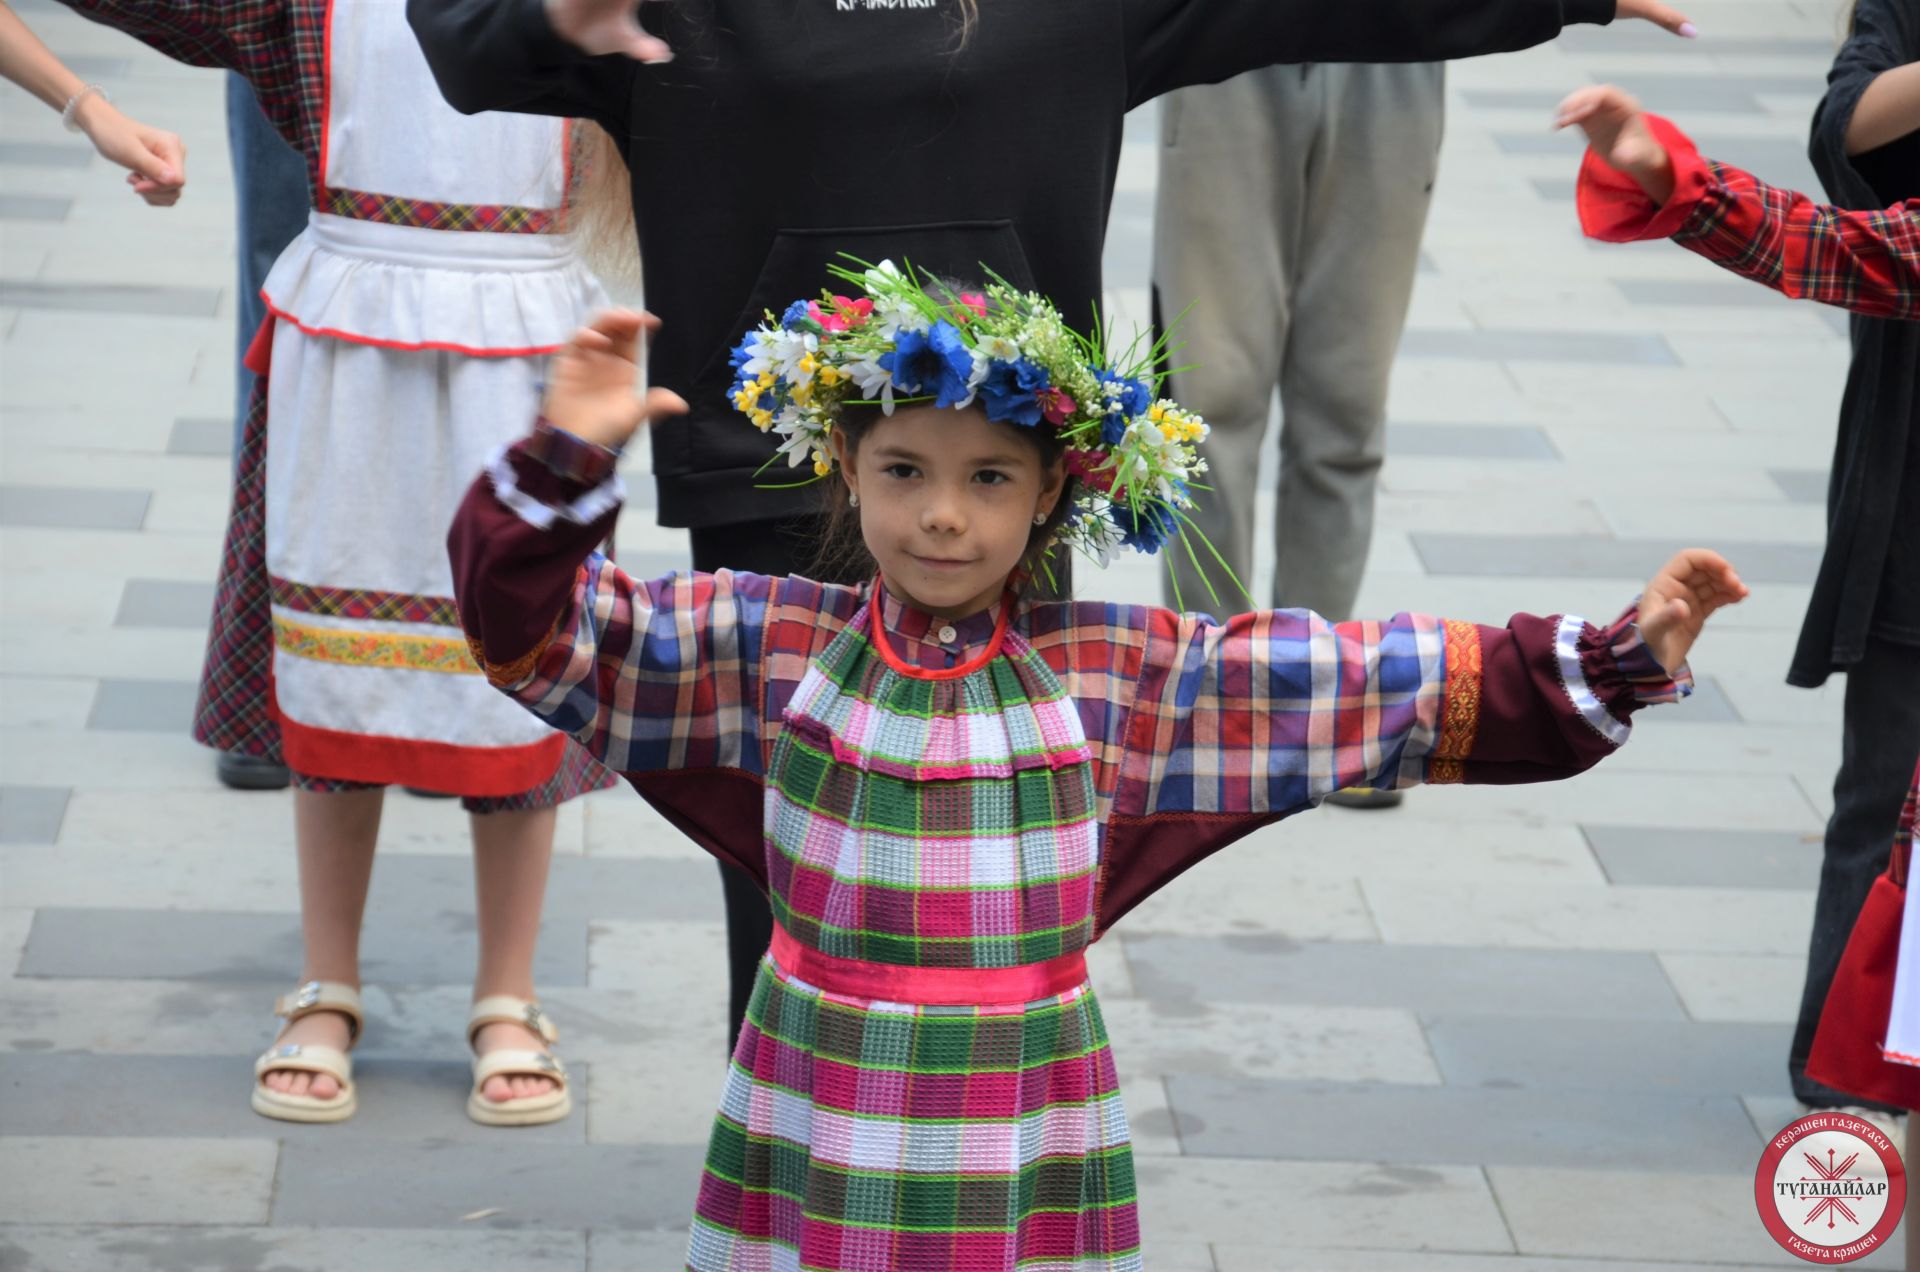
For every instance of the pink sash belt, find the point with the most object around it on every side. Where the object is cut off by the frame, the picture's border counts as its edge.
(928, 986)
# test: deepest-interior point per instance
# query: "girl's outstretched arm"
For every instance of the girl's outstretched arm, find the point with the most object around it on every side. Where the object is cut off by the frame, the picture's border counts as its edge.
(527, 56)
(646, 675)
(1271, 712)
(1643, 178)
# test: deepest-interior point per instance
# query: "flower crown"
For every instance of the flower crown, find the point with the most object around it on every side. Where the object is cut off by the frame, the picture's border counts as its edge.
(1006, 351)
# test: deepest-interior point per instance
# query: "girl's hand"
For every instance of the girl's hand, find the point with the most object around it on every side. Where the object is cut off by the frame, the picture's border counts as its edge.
(155, 160)
(1659, 14)
(1617, 130)
(605, 26)
(590, 384)
(1679, 600)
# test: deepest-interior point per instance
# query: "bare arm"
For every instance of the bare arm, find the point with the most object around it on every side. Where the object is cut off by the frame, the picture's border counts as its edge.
(1888, 110)
(155, 160)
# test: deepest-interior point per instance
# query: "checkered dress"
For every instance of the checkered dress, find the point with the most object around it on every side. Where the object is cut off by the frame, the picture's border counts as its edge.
(995, 815)
(928, 823)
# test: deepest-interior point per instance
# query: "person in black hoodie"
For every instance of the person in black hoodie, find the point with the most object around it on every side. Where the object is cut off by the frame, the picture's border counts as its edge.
(1865, 615)
(767, 139)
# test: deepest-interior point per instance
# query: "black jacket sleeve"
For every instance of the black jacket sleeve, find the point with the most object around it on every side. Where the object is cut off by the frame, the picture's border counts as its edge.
(1174, 43)
(504, 55)
(1886, 34)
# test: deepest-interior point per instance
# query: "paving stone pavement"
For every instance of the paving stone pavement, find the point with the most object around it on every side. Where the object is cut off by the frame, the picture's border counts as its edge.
(1496, 1030)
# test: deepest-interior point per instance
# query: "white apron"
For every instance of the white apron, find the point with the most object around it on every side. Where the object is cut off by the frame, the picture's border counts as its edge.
(403, 353)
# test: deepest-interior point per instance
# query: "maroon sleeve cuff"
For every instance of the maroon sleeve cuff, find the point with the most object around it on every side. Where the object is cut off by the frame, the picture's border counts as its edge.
(1614, 209)
(1623, 673)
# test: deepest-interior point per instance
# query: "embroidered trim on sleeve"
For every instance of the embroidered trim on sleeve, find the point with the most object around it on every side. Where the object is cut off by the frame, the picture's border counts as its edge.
(1460, 716)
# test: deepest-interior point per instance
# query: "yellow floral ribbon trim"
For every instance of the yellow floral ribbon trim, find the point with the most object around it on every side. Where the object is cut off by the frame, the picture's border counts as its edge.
(1460, 717)
(373, 649)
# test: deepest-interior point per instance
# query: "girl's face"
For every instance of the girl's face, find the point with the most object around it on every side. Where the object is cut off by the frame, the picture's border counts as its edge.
(947, 504)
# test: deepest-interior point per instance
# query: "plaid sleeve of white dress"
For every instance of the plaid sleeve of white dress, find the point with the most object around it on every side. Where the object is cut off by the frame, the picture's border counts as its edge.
(278, 45)
(1270, 712)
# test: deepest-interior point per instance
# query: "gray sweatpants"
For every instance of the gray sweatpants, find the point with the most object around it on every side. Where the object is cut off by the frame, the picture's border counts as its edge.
(1291, 205)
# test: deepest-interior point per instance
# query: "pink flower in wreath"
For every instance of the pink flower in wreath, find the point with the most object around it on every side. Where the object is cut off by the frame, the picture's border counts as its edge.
(1092, 470)
(976, 302)
(847, 313)
(1056, 406)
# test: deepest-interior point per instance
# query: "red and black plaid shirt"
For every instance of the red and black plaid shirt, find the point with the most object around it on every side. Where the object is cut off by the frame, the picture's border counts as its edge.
(1866, 262)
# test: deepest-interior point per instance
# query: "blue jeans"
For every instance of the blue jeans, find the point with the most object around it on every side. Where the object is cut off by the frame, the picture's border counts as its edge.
(270, 203)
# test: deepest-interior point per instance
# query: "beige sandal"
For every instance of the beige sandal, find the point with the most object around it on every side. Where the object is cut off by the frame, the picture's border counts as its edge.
(310, 998)
(534, 1110)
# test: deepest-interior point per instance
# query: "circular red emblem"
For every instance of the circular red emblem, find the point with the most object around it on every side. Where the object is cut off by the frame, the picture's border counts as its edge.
(1830, 1188)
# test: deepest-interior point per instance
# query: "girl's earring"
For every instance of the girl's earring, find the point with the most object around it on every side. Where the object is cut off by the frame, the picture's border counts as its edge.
(853, 499)
(1039, 518)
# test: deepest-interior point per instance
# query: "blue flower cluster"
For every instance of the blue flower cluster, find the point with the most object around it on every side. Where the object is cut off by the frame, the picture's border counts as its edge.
(1143, 529)
(1011, 392)
(1134, 397)
(935, 361)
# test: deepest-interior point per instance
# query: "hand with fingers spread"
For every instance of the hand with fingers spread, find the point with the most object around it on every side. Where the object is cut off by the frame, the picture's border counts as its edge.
(590, 388)
(1617, 130)
(1681, 597)
(605, 26)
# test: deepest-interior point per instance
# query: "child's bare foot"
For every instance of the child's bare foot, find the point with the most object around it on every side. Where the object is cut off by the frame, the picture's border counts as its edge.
(320, 1029)
(502, 1088)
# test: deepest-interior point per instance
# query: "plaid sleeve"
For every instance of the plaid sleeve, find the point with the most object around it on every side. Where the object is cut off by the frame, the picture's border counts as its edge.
(270, 42)
(1866, 262)
(653, 675)
(1271, 712)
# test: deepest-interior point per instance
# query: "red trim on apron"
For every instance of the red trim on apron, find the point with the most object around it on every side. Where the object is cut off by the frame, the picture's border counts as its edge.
(927, 986)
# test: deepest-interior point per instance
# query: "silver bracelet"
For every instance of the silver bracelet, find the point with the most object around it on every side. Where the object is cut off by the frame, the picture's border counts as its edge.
(70, 115)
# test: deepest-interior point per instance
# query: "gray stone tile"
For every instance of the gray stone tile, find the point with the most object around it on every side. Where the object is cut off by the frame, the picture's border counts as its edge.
(1689, 292)
(558, 1186)
(79, 1179)
(73, 507)
(195, 1247)
(1324, 1121)
(1802, 485)
(143, 706)
(632, 1251)
(1635, 38)
(1540, 142)
(1425, 979)
(434, 947)
(201, 436)
(1706, 858)
(1708, 704)
(1427, 265)
(1666, 93)
(119, 298)
(1659, 1057)
(32, 814)
(67, 1093)
(1837, 320)
(89, 66)
(34, 207)
(38, 154)
(1555, 189)
(164, 603)
(1470, 441)
(1589, 556)
(1539, 346)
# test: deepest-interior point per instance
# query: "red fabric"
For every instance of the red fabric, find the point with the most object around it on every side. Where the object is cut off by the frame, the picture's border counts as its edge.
(1853, 1024)
(1613, 207)
(1864, 262)
(928, 986)
(428, 766)
(719, 809)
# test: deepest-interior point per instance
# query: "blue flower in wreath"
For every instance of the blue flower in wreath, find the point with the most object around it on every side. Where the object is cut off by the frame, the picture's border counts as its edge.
(797, 318)
(936, 362)
(1132, 397)
(1011, 392)
(1143, 529)
(742, 353)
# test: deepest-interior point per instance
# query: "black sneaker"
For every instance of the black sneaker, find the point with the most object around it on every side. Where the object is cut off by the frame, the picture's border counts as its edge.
(250, 773)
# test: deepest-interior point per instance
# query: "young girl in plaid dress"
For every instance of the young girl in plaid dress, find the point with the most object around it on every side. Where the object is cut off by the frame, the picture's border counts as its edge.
(948, 788)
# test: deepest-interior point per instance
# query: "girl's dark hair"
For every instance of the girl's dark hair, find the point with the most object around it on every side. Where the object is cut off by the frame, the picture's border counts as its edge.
(843, 551)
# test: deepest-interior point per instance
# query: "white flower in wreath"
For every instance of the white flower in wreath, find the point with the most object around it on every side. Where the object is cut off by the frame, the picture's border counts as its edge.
(874, 380)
